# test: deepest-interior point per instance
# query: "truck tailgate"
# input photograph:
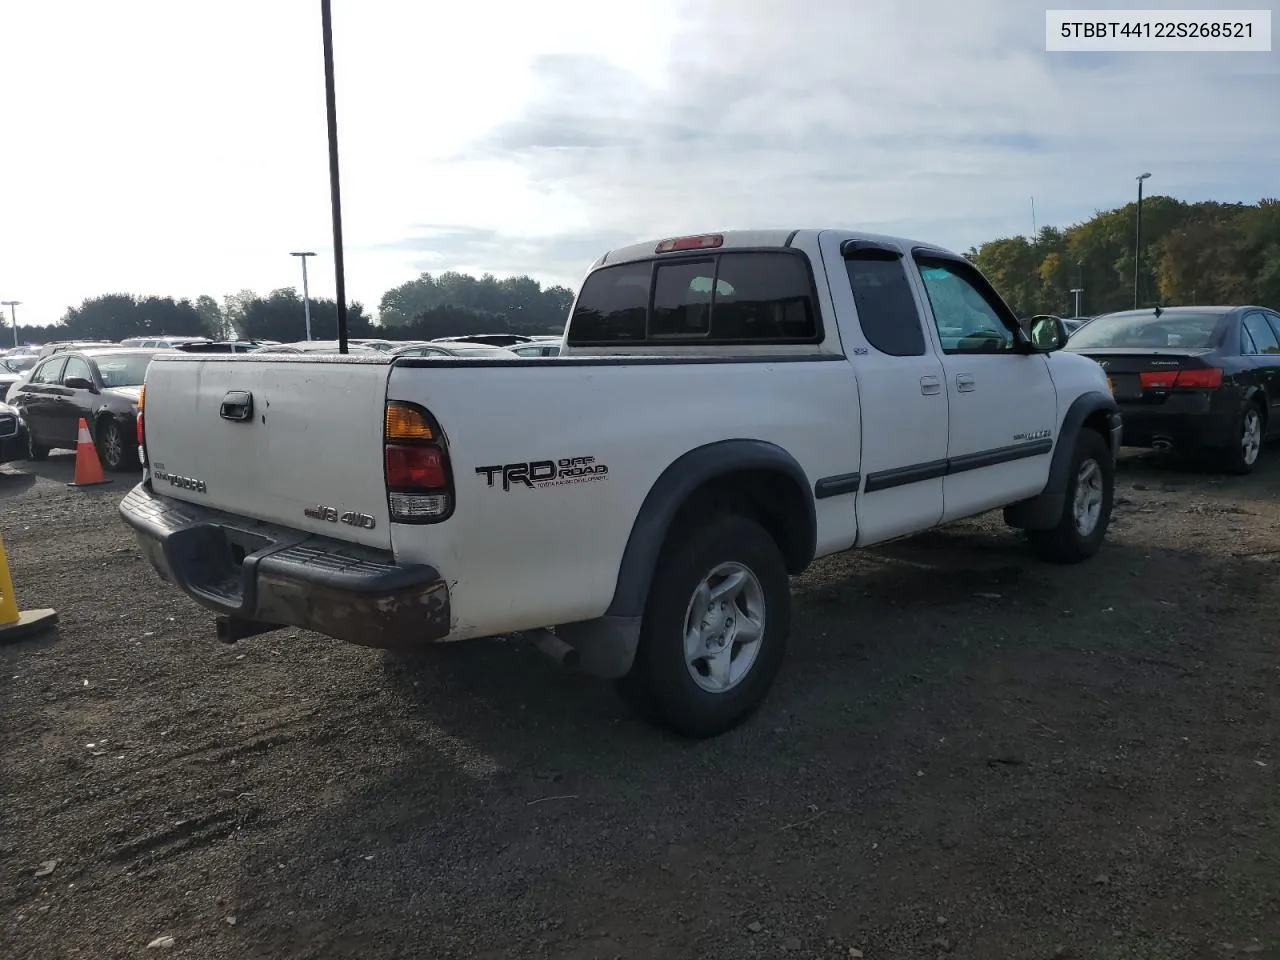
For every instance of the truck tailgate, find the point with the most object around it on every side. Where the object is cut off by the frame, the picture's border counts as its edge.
(306, 454)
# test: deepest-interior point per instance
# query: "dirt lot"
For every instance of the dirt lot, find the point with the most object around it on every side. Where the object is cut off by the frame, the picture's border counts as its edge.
(969, 754)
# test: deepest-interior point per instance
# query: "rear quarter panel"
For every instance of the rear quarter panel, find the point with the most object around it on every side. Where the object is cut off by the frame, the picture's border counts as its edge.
(526, 557)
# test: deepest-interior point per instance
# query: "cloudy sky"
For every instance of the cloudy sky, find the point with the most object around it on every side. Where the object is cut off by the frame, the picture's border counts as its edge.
(154, 146)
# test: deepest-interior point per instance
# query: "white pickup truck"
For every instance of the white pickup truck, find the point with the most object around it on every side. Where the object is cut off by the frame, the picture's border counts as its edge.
(726, 409)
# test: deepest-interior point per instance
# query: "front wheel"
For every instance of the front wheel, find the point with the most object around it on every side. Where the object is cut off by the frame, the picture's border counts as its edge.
(1086, 508)
(113, 448)
(714, 631)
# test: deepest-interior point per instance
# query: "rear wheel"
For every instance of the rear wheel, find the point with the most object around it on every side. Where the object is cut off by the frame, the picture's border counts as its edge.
(1086, 509)
(1242, 455)
(714, 631)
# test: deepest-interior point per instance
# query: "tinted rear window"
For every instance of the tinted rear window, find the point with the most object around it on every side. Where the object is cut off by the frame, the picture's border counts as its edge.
(1182, 330)
(751, 297)
(887, 310)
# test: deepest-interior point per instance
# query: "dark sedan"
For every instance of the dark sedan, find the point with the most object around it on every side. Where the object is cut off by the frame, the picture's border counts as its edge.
(1199, 379)
(13, 435)
(99, 384)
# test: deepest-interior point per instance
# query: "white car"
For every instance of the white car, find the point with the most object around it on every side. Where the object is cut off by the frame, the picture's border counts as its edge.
(727, 409)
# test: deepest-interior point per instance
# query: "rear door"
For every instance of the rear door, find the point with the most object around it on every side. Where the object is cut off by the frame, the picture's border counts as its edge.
(39, 398)
(901, 393)
(273, 439)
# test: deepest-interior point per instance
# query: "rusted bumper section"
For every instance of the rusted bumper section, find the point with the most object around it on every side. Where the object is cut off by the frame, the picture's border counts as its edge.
(262, 575)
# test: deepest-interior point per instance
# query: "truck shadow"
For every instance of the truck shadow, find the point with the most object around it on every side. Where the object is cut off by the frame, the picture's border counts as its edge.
(937, 662)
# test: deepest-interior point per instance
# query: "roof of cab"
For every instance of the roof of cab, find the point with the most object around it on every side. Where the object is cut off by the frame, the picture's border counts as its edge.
(645, 249)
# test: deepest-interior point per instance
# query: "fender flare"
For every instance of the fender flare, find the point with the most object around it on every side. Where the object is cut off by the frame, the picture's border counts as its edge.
(672, 490)
(1043, 511)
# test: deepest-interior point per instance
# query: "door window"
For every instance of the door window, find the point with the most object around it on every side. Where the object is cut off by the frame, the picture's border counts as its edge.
(76, 367)
(1260, 335)
(50, 371)
(968, 314)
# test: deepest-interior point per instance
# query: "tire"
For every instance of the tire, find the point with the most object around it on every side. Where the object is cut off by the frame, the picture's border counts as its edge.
(1091, 484)
(1245, 450)
(114, 449)
(661, 685)
(35, 451)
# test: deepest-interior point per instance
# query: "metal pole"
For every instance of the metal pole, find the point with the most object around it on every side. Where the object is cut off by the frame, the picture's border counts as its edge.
(1077, 291)
(306, 298)
(331, 109)
(13, 313)
(1137, 244)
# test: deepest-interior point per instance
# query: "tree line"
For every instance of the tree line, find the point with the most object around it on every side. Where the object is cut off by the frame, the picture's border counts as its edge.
(1192, 253)
(451, 304)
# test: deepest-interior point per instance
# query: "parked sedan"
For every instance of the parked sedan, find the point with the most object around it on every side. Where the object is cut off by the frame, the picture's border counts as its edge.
(438, 348)
(1200, 379)
(13, 435)
(313, 346)
(100, 384)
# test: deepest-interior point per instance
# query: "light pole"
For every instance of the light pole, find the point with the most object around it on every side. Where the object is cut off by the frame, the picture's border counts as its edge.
(1137, 244)
(306, 296)
(1077, 291)
(13, 313)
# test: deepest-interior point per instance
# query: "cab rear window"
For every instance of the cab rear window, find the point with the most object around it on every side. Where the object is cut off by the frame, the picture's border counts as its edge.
(734, 297)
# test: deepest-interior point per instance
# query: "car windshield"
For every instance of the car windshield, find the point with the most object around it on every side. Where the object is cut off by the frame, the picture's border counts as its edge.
(1186, 330)
(19, 364)
(123, 369)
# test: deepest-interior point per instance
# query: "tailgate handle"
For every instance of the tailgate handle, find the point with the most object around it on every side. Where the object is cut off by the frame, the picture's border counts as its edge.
(237, 405)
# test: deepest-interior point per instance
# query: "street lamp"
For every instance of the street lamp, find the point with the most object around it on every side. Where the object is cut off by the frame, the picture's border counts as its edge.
(1137, 244)
(13, 313)
(306, 296)
(1077, 291)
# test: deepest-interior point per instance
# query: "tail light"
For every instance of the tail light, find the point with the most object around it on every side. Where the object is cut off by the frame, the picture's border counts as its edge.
(416, 460)
(142, 433)
(1204, 378)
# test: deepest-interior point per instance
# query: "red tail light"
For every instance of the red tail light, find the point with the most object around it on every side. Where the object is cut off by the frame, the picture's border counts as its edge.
(1208, 378)
(416, 461)
(141, 430)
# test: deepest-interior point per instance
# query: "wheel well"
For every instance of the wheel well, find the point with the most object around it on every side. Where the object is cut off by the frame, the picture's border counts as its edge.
(770, 497)
(1098, 422)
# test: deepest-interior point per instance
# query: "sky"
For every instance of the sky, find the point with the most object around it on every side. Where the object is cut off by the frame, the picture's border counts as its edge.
(157, 147)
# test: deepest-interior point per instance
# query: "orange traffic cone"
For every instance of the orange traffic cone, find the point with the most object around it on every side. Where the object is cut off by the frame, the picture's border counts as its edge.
(15, 623)
(88, 466)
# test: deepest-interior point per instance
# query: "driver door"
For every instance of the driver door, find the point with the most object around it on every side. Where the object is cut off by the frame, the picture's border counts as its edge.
(1003, 405)
(72, 404)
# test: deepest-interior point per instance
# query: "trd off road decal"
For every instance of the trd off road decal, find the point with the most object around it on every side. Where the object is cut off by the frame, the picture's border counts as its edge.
(545, 473)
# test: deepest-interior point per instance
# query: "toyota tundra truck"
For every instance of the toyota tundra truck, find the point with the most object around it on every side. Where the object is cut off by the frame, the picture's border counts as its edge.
(726, 409)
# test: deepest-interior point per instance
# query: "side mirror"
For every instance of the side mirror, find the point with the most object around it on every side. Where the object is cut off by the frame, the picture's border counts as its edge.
(1047, 334)
(78, 383)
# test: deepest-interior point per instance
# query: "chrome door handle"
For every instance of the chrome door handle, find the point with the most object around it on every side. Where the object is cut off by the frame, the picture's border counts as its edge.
(930, 385)
(964, 383)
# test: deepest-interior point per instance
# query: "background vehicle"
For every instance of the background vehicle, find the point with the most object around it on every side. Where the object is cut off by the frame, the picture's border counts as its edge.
(313, 346)
(492, 339)
(1075, 323)
(538, 347)
(13, 434)
(223, 346)
(13, 370)
(100, 384)
(161, 342)
(60, 346)
(1201, 379)
(787, 395)
(437, 349)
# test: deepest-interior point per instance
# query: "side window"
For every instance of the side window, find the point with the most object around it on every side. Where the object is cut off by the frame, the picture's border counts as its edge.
(76, 367)
(1260, 332)
(1247, 347)
(50, 371)
(613, 305)
(966, 311)
(886, 308)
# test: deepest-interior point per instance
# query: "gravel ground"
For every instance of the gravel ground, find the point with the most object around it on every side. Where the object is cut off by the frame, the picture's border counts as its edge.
(969, 754)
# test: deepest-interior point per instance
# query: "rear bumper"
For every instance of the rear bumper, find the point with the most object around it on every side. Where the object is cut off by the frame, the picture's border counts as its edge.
(1144, 427)
(259, 572)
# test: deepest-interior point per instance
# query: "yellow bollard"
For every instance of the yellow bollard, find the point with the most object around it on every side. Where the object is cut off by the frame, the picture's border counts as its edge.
(15, 623)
